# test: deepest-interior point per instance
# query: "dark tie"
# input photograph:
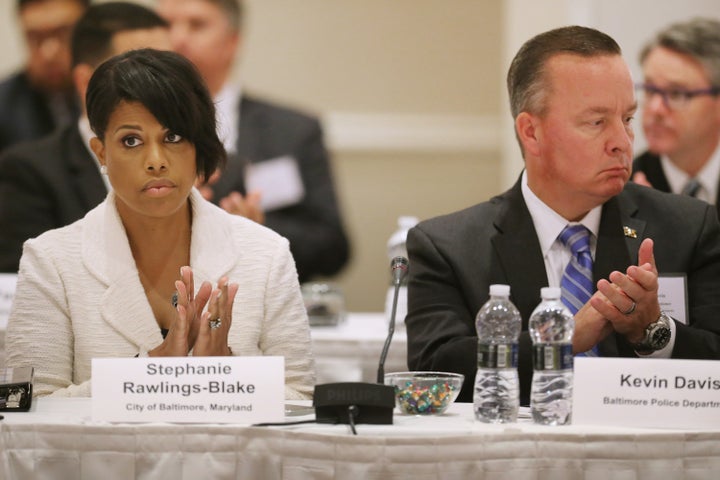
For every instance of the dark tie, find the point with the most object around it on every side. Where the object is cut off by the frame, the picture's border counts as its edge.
(577, 281)
(691, 188)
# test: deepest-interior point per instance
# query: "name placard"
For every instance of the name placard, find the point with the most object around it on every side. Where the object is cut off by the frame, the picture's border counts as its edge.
(672, 295)
(658, 393)
(189, 389)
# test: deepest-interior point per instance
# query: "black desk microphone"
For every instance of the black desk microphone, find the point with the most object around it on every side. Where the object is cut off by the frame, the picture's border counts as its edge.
(358, 402)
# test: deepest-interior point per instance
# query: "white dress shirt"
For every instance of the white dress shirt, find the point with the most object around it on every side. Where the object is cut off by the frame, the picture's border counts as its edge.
(548, 226)
(227, 115)
(707, 176)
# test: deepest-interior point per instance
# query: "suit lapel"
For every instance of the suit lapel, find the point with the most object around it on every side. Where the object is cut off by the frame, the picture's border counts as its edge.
(522, 262)
(107, 256)
(251, 131)
(84, 172)
(650, 164)
(213, 252)
(519, 251)
(616, 250)
(619, 238)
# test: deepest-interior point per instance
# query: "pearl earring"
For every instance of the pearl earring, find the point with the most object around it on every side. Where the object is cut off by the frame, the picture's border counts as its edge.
(103, 169)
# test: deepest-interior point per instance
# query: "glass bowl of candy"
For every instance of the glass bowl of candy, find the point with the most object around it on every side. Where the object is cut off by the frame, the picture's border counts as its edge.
(424, 393)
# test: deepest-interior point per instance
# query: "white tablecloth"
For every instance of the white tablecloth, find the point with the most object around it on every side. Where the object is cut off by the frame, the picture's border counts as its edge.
(346, 353)
(58, 440)
(350, 352)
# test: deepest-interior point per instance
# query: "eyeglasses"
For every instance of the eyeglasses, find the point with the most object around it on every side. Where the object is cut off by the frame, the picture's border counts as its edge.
(37, 37)
(674, 98)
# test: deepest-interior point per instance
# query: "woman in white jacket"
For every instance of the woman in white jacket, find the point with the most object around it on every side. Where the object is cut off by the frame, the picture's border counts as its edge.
(121, 281)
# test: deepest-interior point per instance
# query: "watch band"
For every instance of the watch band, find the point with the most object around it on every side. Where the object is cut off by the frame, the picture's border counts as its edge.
(657, 335)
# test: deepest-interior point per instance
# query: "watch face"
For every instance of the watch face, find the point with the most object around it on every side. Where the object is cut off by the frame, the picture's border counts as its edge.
(660, 337)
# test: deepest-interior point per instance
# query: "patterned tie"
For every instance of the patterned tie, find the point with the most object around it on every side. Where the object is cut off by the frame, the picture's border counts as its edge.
(577, 281)
(691, 188)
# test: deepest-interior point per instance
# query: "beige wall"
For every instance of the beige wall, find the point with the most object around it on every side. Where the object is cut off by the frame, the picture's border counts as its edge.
(410, 93)
(414, 67)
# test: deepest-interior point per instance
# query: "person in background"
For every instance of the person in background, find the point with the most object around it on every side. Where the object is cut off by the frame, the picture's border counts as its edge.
(38, 99)
(572, 220)
(680, 97)
(278, 171)
(121, 281)
(54, 181)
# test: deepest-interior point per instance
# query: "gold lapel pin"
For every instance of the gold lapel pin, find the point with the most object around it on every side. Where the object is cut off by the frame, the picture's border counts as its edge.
(630, 232)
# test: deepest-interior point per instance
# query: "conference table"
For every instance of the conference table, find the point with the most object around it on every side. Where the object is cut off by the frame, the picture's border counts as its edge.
(58, 439)
(348, 352)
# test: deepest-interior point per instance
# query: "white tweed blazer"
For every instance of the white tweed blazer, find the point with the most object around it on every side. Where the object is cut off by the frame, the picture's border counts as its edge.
(79, 297)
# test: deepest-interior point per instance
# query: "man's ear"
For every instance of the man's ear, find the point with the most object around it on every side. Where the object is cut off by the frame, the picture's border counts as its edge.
(527, 128)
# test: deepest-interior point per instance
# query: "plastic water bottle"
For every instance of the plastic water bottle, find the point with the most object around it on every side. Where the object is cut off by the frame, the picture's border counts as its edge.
(551, 328)
(397, 246)
(496, 397)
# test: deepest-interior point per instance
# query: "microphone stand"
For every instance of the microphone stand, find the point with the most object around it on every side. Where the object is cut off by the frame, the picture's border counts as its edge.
(358, 402)
(398, 264)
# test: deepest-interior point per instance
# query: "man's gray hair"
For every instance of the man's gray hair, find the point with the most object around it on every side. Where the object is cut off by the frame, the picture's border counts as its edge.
(698, 38)
(234, 9)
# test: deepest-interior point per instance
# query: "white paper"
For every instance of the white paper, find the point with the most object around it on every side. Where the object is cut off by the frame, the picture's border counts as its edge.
(638, 392)
(672, 295)
(8, 282)
(278, 180)
(189, 389)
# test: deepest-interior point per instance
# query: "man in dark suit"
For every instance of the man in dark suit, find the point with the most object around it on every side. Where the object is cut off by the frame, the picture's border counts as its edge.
(572, 98)
(52, 182)
(278, 170)
(36, 100)
(680, 97)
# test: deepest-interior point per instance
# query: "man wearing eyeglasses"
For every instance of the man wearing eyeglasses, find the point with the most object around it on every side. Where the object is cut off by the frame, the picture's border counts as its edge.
(40, 98)
(680, 99)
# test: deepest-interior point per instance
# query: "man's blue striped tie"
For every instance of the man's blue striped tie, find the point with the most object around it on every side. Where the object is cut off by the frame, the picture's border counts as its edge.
(577, 281)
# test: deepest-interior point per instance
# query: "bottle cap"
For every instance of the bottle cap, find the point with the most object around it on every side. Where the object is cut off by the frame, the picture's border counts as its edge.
(550, 293)
(406, 222)
(499, 290)
(396, 243)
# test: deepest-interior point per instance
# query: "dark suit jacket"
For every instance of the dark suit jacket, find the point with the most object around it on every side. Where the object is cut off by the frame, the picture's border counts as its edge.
(44, 184)
(650, 165)
(313, 226)
(24, 112)
(455, 258)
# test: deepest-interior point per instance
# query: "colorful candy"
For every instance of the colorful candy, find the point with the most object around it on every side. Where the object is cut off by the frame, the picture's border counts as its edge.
(416, 397)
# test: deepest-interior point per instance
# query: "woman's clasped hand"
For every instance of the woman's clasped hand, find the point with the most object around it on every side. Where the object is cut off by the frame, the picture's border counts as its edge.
(204, 333)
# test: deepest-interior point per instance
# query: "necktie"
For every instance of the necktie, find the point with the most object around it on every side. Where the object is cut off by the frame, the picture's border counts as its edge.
(577, 281)
(691, 188)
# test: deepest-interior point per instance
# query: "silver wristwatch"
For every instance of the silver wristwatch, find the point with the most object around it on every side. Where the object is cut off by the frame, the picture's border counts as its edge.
(657, 335)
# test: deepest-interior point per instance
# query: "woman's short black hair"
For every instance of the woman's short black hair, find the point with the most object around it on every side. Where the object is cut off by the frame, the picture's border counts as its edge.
(170, 87)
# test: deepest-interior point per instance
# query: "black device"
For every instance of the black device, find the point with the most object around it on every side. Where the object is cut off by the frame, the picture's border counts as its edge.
(359, 402)
(16, 389)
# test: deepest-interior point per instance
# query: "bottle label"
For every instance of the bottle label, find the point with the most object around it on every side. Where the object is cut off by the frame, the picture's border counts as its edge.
(552, 357)
(497, 355)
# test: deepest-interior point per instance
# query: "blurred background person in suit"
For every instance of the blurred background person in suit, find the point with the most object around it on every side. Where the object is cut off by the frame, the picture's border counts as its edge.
(51, 182)
(40, 97)
(680, 98)
(278, 171)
